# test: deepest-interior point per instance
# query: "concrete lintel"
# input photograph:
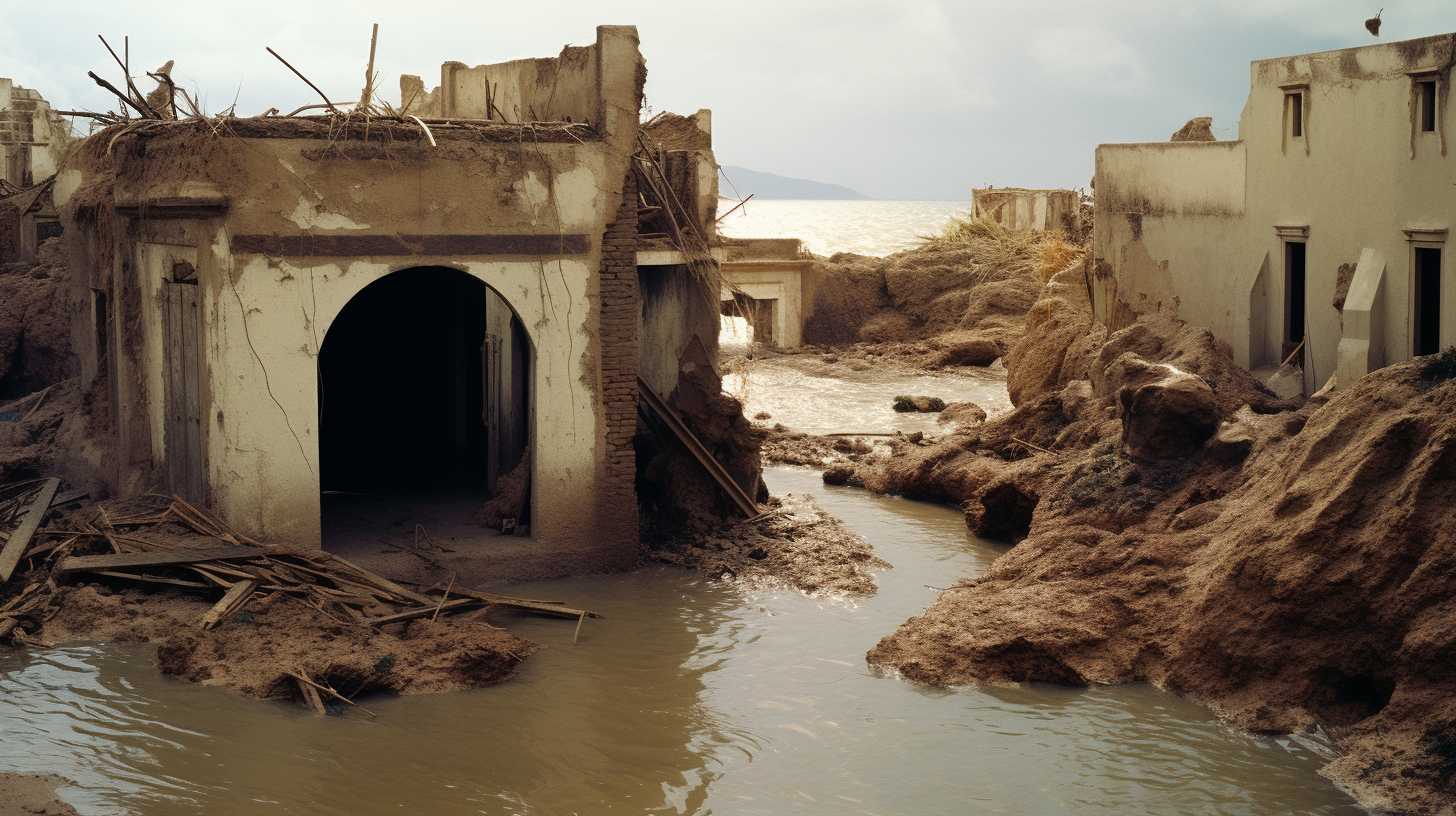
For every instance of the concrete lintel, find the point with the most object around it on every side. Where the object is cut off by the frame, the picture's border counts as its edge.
(671, 257)
(1426, 235)
(796, 264)
(1292, 232)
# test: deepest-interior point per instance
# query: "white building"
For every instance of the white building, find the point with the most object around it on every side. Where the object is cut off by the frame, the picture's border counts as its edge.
(1325, 223)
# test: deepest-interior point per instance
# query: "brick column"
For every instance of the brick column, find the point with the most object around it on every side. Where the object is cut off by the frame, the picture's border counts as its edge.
(620, 304)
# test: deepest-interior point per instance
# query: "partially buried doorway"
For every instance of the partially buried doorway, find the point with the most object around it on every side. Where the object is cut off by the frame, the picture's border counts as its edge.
(423, 413)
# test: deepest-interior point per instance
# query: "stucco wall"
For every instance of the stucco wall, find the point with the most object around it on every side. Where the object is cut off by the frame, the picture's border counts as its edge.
(1198, 221)
(283, 232)
(266, 315)
(1169, 227)
(677, 307)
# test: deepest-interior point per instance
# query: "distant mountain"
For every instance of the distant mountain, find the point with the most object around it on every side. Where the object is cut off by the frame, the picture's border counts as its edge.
(769, 185)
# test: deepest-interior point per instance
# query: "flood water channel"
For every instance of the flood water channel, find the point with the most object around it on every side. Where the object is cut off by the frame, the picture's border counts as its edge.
(691, 696)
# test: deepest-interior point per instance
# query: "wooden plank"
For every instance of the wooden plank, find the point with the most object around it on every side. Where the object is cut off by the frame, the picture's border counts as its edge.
(669, 417)
(173, 437)
(87, 563)
(426, 611)
(69, 496)
(231, 602)
(18, 540)
(382, 582)
(193, 468)
(153, 579)
(543, 607)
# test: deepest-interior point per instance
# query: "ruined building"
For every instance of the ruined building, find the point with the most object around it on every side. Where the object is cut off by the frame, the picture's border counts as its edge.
(33, 138)
(1026, 209)
(1319, 235)
(316, 324)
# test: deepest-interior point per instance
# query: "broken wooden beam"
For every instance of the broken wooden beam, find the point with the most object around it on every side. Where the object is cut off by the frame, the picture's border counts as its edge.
(152, 579)
(90, 563)
(231, 602)
(689, 440)
(543, 607)
(310, 695)
(426, 611)
(19, 539)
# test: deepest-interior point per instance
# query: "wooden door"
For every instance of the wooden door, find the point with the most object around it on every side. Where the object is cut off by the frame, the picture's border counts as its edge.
(182, 379)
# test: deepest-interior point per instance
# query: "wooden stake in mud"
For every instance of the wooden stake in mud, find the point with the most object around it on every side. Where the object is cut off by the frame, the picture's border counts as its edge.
(311, 696)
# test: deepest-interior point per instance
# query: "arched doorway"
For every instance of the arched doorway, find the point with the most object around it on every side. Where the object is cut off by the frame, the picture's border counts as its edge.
(424, 408)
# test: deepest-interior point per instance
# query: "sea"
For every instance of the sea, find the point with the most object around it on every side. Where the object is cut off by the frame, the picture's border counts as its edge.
(863, 227)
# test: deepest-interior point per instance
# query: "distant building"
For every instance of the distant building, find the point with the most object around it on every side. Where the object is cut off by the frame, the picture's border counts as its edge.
(33, 138)
(1325, 224)
(1020, 208)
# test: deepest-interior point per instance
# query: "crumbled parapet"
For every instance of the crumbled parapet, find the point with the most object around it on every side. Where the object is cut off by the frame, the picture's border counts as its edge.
(1197, 129)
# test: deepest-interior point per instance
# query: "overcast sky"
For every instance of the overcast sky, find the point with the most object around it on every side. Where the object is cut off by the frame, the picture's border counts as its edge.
(895, 98)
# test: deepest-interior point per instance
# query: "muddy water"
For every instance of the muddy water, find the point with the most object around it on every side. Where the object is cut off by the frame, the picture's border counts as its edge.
(803, 394)
(690, 697)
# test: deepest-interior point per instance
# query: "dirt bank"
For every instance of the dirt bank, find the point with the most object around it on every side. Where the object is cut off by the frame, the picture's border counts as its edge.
(35, 323)
(1291, 566)
(32, 795)
(959, 299)
(797, 543)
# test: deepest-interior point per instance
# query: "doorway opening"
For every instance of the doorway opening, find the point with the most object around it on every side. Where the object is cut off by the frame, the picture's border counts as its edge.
(1426, 310)
(1294, 295)
(756, 314)
(424, 405)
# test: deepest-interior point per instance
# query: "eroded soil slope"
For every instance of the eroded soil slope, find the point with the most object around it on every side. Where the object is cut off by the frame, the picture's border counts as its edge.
(1294, 567)
(959, 299)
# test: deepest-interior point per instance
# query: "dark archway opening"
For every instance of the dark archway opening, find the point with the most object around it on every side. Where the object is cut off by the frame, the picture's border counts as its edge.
(423, 406)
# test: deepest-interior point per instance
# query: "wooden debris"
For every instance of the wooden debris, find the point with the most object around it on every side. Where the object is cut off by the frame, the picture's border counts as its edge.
(310, 696)
(228, 567)
(86, 563)
(303, 680)
(412, 614)
(232, 601)
(19, 539)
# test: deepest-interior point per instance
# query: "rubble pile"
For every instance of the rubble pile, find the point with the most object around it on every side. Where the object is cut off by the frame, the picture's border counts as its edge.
(227, 610)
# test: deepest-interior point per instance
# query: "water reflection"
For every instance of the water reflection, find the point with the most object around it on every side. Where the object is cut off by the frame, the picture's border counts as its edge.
(689, 697)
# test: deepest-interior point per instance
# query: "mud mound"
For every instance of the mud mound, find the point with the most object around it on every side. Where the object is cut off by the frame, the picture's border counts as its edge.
(35, 327)
(799, 544)
(60, 432)
(1059, 340)
(975, 276)
(1304, 582)
(851, 288)
(32, 795)
(255, 652)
